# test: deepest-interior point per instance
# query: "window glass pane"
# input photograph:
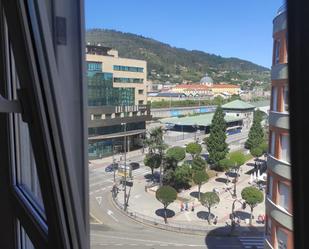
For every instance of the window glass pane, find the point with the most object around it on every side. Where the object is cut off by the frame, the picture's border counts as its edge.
(270, 186)
(286, 98)
(27, 177)
(268, 229)
(277, 51)
(285, 148)
(282, 239)
(283, 196)
(274, 98)
(273, 140)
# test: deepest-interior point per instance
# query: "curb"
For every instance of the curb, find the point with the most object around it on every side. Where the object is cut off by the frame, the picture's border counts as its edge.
(222, 231)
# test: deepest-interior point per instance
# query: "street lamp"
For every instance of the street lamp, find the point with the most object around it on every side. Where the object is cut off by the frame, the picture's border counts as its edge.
(125, 166)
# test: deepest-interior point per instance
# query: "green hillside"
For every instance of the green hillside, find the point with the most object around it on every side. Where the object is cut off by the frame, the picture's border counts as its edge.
(170, 64)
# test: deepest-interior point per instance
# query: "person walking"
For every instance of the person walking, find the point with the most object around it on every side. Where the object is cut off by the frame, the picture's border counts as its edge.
(181, 206)
(187, 208)
(192, 209)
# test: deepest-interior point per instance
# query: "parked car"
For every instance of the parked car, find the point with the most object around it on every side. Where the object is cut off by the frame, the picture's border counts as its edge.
(134, 166)
(111, 167)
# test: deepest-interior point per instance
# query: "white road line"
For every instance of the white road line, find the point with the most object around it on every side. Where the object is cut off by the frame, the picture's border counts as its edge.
(143, 240)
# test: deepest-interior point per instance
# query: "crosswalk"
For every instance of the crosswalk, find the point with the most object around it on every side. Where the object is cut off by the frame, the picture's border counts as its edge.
(252, 242)
(102, 181)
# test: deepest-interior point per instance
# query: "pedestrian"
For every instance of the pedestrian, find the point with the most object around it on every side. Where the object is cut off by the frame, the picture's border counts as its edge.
(216, 220)
(181, 206)
(192, 209)
(187, 208)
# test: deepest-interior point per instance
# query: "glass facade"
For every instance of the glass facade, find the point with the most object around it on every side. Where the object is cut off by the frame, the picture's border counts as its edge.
(128, 80)
(128, 69)
(94, 66)
(96, 131)
(101, 91)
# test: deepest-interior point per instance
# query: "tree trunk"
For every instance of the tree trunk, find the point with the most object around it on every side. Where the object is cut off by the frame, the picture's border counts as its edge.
(152, 172)
(199, 191)
(165, 215)
(161, 169)
(209, 216)
(251, 214)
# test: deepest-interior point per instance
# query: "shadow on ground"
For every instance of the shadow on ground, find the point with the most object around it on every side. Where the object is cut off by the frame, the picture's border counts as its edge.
(220, 179)
(204, 215)
(242, 215)
(169, 213)
(194, 194)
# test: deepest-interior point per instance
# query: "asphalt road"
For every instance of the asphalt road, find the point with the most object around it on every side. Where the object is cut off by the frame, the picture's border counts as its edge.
(119, 231)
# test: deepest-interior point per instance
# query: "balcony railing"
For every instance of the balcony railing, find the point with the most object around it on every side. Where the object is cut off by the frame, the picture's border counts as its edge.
(281, 9)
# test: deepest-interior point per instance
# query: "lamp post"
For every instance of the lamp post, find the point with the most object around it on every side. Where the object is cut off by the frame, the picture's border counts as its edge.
(114, 170)
(125, 166)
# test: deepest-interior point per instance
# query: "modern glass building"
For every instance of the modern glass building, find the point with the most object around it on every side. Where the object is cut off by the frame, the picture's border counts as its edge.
(115, 110)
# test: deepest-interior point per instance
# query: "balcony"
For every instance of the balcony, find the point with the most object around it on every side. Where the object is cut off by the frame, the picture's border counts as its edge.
(279, 119)
(279, 214)
(279, 72)
(280, 21)
(279, 167)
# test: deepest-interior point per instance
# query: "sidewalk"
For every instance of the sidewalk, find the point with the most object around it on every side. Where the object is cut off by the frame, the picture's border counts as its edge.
(145, 203)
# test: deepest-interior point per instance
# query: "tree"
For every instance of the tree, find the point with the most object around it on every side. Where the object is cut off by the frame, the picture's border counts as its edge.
(225, 164)
(252, 197)
(256, 133)
(264, 147)
(182, 176)
(194, 149)
(256, 152)
(153, 161)
(238, 159)
(216, 145)
(200, 177)
(209, 200)
(156, 144)
(177, 153)
(166, 195)
(198, 164)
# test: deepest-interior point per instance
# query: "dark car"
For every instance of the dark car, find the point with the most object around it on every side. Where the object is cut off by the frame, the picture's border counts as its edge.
(111, 167)
(134, 166)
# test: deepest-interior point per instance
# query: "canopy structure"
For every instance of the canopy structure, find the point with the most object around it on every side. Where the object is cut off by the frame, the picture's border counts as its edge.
(200, 120)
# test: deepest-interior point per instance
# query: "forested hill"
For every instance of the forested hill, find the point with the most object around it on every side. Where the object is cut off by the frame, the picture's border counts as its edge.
(167, 63)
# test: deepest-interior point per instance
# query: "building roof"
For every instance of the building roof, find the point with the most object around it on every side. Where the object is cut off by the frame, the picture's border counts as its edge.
(201, 120)
(238, 104)
(192, 86)
(224, 86)
(165, 94)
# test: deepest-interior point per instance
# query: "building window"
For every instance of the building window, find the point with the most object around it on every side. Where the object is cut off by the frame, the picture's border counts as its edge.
(270, 187)
(97, 116)
(286, 98)
(128, 80)
(273, 143)
(285, 148)
(141, 102)
(277, 51)
(274, 97)
(94, 66)
(141, 91)
(107, 115)
(282, 239)
(283, 195)
(128, 69)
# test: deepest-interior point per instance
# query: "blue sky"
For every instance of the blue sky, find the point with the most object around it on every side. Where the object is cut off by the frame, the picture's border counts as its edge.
(239, 28)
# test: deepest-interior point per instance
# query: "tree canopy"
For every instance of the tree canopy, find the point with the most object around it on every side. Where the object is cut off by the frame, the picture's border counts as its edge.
(194, 149)
(209, 200)
(216, 145)
(182, 176)
(198, 164)
(237, 157)
(153, 161)
(225, 164)
(256, 152)
(177, 153)
(166, 195)
(252, 196)
(256, 133)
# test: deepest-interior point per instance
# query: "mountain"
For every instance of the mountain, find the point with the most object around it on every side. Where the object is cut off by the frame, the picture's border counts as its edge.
(177, 65)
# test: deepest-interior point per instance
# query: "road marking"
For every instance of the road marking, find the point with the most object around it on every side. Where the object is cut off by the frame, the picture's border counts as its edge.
(143, 240)
(111, 214)
(99, 200)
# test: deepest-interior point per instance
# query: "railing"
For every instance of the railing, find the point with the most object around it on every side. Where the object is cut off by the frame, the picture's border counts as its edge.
(185, 227)
(281, 9)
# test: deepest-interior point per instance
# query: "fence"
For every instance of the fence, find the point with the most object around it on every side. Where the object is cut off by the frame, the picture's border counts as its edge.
(183, 136)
